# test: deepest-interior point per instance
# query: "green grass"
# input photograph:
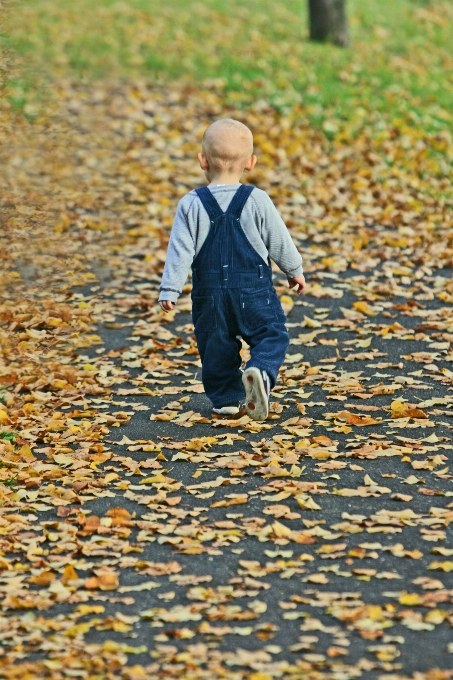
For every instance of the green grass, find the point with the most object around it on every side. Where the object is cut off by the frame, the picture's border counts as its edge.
(8, 436)
(11, 482)
(400, 55)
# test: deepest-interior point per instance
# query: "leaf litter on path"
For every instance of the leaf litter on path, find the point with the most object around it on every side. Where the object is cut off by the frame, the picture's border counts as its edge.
(140, 536)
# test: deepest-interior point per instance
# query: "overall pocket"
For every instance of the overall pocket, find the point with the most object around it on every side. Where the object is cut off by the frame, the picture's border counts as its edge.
(203, 314)
(257, 309)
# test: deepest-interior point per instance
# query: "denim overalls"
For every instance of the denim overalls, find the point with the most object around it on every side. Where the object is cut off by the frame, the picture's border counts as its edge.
(233, 296)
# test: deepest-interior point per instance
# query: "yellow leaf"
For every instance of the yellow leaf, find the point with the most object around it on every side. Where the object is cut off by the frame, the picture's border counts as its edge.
(55, 425)
(120, 517)
(63, 459)
(412, 479)
(44, 578)
(195, 445)
(287, 303)
(432, 439)
(103, 582)
(293, 358)
(436, 616)
(364, 308)
(443, 471)
(157, 479)
(410, 599)
(308, 504)
(442, 566)
(397, 407)
(375, 612)
(305, 338)
(317, 578)
(257, 606)
(84, 609)
(110, 477)
(69, 574)
(312, 323)
(364, 343)
(402, 410)
(281, 531)
(295, 471)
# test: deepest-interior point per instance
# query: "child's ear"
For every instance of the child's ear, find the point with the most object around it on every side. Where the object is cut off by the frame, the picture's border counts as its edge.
(250, 164)
(204, 163)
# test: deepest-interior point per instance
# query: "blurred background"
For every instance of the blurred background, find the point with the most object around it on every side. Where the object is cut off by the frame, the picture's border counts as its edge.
(104, 105)
(399, 59)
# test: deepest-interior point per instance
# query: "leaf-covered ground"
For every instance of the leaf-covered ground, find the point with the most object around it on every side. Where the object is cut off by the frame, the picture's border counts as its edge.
(140, 538)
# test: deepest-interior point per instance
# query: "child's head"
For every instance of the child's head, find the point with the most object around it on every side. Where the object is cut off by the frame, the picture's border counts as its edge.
(227, 149)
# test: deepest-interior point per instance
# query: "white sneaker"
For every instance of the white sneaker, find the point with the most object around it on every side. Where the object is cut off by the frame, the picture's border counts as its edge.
(257, 389)
(227, 410)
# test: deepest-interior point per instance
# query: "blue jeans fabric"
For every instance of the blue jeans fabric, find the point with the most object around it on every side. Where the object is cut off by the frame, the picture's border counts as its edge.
(232, 297)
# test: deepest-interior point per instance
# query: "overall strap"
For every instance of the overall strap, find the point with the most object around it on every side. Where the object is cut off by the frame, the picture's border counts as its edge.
(209, 203)
(239, 200)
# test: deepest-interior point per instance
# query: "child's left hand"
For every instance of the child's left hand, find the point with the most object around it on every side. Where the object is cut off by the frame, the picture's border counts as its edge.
(166, 305)
(298, 281)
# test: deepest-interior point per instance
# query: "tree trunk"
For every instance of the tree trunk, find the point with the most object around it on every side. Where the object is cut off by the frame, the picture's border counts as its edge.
(328, 21)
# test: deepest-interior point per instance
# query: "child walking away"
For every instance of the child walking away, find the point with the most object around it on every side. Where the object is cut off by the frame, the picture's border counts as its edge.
(227, 232)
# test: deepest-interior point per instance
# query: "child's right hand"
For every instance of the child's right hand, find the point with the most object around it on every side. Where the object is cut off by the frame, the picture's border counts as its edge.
(298, 281)
(167, 305)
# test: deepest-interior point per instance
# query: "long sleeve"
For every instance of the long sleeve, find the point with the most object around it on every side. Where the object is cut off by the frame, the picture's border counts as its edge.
(180, 255)
(276, 237)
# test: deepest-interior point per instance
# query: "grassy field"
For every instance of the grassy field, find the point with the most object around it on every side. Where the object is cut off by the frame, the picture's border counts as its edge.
(400, 56)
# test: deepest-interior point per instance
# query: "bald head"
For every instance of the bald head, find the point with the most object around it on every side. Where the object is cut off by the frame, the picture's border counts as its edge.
(227, 144)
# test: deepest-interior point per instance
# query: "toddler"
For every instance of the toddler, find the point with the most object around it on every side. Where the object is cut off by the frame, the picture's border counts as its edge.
(227, 232)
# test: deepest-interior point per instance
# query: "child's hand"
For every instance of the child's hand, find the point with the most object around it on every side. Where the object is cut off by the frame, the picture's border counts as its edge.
(167, 305)
(298, 281)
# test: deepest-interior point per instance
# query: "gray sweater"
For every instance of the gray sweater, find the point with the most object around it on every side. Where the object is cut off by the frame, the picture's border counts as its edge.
(262, 225)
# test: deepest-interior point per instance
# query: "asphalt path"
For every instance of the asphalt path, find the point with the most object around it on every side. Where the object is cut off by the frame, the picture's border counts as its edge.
(405, 643)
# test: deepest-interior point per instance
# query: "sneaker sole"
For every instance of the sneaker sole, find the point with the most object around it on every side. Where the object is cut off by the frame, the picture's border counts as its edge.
(256, 399)
(226, 411)
(234, 416)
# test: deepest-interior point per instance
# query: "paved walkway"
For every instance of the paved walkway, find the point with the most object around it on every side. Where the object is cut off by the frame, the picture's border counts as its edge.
(142, 538)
